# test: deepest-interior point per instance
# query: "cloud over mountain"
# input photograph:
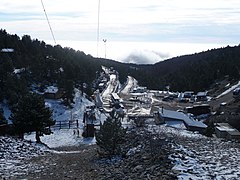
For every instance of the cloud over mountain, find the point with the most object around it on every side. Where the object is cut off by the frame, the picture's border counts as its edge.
(145, 57)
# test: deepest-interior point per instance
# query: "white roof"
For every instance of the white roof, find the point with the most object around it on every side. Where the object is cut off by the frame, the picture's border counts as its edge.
(139, 111)
(7, 50)
(17, 71)
(115, 96)
(225, 127)
(51, 89)
(201, 93)
(174, 115)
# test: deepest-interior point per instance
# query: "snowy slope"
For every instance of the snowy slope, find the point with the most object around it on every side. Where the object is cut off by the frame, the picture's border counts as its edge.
(67, 137)
(198, 157)
(62, 113)
(14, 153)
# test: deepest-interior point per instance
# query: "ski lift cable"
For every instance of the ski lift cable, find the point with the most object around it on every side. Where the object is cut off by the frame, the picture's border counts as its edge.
(48, 22)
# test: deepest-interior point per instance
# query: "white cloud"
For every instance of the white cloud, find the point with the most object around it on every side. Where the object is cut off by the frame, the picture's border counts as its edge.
(163, 21)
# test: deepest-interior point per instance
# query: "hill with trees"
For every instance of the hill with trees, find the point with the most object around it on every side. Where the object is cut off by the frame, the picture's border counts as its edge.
(35, 64)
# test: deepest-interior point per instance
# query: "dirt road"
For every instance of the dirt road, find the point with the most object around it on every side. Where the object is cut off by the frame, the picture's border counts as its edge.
(75, 163)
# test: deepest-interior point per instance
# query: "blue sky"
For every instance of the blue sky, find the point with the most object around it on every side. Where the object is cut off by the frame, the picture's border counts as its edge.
(130, 26)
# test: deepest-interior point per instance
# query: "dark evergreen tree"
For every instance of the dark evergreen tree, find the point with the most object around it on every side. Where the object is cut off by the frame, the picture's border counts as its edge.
(31, 115)
(110, 136)
(2, 118)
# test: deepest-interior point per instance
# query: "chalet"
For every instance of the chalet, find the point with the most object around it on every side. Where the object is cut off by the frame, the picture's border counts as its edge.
(139, 112)
(53, 92)
(98, 99)
(101, 86)
(89, 117)
(197, 110)
(174, 116)
(139, 90)
(224, 130)
(187, 96)
(115, 98)
(201, 96)
(7, 50)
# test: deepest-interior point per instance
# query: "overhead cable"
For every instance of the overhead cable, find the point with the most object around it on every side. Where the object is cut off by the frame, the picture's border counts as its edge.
(48, 22)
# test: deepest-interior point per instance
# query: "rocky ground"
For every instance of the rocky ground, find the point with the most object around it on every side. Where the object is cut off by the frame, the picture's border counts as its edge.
(151, 152)
(146, 157)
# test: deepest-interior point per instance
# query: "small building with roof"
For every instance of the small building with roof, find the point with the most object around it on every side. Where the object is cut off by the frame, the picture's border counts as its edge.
(201, 96)
(53, 92)
(190, 123)
(225, 130)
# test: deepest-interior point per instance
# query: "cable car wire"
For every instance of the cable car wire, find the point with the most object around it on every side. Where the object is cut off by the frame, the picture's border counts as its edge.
(48, 22)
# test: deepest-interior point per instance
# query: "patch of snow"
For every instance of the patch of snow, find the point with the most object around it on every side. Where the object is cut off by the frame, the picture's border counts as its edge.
(176, 124)
(63, 114)
(6, 112)
(229, 90)
(17, 71)
(51, 89)
(63, 137)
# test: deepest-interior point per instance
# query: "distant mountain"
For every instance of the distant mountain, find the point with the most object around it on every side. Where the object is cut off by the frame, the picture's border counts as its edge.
(191, 72)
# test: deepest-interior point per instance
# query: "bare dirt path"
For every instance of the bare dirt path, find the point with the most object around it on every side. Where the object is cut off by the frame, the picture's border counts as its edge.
(68, 163)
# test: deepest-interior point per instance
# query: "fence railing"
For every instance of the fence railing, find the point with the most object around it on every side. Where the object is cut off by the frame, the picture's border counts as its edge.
(70, 124)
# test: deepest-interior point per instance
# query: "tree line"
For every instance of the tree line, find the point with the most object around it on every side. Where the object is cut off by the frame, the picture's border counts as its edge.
(34, 65)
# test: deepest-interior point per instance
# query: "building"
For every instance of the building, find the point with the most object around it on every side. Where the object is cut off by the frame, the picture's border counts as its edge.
(224, 130)
(7, 50)
(139, 90)
(187, 96)
(174, 116)
(201, 96)
(53, 92)
(197, 110)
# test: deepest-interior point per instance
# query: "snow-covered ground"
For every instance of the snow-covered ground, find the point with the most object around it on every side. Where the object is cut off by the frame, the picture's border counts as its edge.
(62, 113)
(13, 156)
(63, 137)
(131, 83)
(229, 90)
(68, 137)
(14, 153)
(198, 157)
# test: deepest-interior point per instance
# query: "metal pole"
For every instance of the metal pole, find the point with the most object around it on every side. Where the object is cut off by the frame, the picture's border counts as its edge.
(105, 46)
(98, 26)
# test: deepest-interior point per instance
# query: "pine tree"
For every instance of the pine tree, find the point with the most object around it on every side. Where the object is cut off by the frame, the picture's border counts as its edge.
(31, 115)
(2, 118)
(111, 136)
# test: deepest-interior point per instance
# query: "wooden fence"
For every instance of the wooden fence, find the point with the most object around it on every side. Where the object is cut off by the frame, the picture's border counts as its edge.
(70, 124)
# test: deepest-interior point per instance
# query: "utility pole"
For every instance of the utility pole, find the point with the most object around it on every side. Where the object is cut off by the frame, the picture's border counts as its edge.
(105, 46)
(98, 26)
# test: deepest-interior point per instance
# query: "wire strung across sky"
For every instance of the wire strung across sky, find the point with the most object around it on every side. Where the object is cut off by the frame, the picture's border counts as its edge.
(48, 22)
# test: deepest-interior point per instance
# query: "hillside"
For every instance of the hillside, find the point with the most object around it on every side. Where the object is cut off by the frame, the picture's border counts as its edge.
(33, 62)
(192, 72)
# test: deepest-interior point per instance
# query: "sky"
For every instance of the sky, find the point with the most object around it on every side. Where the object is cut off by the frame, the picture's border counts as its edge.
(138, 31)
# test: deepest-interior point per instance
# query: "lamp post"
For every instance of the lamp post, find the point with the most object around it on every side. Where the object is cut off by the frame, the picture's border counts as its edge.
(105, 46)
(98, 25)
